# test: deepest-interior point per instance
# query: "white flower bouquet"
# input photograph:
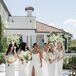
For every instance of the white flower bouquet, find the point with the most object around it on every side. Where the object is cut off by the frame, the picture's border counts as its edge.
(51, 56)
(59, 39)
(52, 38)
(10, 59)
(25, 56)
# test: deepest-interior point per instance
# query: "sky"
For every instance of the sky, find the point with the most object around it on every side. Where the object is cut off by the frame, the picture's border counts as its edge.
(58, 13)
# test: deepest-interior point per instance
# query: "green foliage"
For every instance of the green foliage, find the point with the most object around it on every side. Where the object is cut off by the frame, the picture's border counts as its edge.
(72, 45)
(2, 60)
(3, 43)
(69, 61)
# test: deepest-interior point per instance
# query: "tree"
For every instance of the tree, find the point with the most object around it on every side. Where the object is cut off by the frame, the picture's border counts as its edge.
(1, 34)
(2, 38)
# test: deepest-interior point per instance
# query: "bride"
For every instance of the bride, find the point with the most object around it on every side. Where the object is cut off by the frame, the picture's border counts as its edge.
(36, 63)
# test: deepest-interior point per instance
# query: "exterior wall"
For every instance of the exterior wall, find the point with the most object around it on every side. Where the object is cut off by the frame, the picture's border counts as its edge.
(21, 22)
(3, 14)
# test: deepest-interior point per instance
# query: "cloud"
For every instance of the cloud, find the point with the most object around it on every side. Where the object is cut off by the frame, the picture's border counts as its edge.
(70, 21)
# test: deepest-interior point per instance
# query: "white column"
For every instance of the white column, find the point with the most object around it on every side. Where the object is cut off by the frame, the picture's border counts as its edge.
(33, 39)
(28, 40)
(24, 38)
(45, 39)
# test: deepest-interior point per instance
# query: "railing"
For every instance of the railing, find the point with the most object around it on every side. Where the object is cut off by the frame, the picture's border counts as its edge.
(70, 54)
(72, 64)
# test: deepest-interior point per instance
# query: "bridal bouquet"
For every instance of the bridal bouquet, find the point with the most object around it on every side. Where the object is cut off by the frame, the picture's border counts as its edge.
(10, 58)
(52, 38)
(59, 39)
(25, 56)
(50, 56)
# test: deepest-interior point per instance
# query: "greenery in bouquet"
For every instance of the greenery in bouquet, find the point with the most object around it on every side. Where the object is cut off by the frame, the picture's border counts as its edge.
(50, 56)
(10, 58)
(25, 56)
(60, 39)
(52, 38)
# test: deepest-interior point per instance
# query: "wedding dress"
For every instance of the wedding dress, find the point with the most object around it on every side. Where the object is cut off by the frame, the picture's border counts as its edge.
(22, 67)
(10, 68)
(52, 65)
(45, 71)
(35, 62)
(60, 63)
(56, 63)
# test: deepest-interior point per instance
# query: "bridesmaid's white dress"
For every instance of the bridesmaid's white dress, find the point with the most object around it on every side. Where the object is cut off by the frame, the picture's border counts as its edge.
(22, 69)
(60, 63)
(45, 71)
(35, 62)
(10, 69)
(56, 64)
(52, 66)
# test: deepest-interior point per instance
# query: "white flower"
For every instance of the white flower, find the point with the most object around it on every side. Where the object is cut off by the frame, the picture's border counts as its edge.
(10, 58)
(50, 56)
(25, 55)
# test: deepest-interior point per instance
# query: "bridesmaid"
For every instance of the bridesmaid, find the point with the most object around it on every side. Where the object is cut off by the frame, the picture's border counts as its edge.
(22, 64)
(10, 68)
(36, 63)
(45, 71)
(60, 49)
(52, 60)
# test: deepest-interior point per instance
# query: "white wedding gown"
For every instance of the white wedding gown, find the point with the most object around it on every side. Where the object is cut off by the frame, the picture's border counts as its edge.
(56, 64)
(45, 71)
(60, 63)
(22, 69)
(35, 62)
(52, 66)
(10, 69)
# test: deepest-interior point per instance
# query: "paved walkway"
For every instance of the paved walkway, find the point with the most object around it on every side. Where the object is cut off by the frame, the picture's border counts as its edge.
(65, 73)
(2, 71)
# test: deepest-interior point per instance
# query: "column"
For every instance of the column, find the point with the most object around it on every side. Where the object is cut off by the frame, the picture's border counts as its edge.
(24, 38)
(45, 39)
(33, 39)
(28, 40)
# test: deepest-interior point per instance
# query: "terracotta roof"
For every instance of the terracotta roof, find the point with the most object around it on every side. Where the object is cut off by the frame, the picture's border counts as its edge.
(42, 27)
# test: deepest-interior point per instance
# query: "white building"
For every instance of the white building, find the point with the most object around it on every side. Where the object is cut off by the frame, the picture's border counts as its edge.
(28, 27)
